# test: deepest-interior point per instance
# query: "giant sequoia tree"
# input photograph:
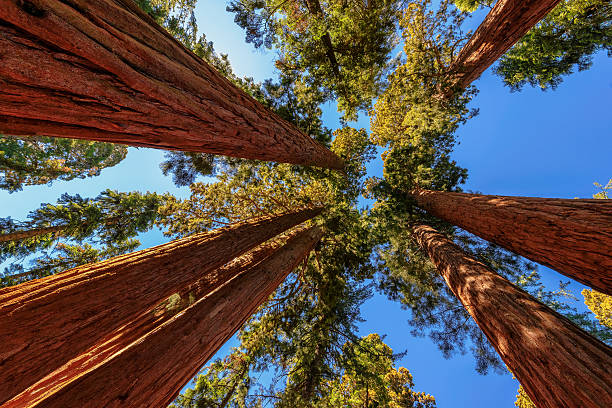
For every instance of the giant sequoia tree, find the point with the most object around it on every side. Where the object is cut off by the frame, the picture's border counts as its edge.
(90, 301)
(150, 91)
(298, 336)
(566, 39)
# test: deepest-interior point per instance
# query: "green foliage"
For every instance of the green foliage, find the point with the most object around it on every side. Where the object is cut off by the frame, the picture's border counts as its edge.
(27, 161)
(332, 50)
(472, 5)
(63, 257)
(565, 40)
(366, 377)
(108, 221)
(370, 379)
(297, 337)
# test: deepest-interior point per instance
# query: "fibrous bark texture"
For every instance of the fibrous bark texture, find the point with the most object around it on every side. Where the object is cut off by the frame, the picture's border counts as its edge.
(506, 23)
(19, 235)
(46, 322)
(573, 237)
(104, 70)
(558, 364)
(157, 357)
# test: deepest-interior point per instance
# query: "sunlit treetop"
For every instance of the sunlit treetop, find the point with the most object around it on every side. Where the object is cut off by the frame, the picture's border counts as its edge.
(336, 50)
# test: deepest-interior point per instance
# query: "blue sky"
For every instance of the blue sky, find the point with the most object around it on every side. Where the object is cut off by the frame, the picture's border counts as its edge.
(532, 143)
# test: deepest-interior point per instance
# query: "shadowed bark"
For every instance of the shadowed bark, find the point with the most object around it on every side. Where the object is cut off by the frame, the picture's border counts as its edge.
(573, 237)
(506, 23)
(148, 362)
(558, 364)
(104, 70)
(46, 322)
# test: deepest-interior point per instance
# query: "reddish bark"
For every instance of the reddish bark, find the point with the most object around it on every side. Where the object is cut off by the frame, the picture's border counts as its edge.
(103, 70)
(19, 235)
(46, 322)
(506, 23)
(573, 237)
(558, 364)
(150, 367)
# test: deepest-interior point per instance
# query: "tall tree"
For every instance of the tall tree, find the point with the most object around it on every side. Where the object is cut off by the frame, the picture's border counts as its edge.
(296, 338)
(556, 362)
(98, 298)
(28, 161)
(564, 234)
(335, 50)
(146, 359)
(507, 22)
(598, 303)
(108, 221)
(150, 91)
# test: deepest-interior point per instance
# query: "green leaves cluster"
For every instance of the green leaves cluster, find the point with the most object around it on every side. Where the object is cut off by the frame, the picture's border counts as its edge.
(27, 161)
(333, 50)
(86, 230)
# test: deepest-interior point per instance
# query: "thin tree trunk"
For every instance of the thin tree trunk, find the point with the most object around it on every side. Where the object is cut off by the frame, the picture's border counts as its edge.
(573, 237)
(19, 235)
(46, 322)
(151, 370)
(104, 70)
(314, 7)
(506, 23)
(558, 364)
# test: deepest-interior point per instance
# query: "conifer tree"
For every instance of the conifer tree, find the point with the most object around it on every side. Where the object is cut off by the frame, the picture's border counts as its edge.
(147, 362)
(149, 88)
(555, 361)
(91, 301)
(506, 23)
(564, 234)
(298, 336)
(108, 221)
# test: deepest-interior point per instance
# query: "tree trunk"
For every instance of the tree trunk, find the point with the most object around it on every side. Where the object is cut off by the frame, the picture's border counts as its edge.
(506, 23)
(19, 235)
(46, 322)
(150, 370)
(558, 364)
(104, 70)
(314, 7)
(573, 237)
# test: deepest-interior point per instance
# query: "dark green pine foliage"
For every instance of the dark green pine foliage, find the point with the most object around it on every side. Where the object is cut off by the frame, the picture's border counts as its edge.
(26, 161)
(102, 227)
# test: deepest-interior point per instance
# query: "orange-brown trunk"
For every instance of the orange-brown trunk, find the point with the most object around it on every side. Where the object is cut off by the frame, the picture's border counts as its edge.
(46, 322)
(19, 235)
(104, 70)
(558, 364)
(146, 363)
(506, 23)
(573, 237)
